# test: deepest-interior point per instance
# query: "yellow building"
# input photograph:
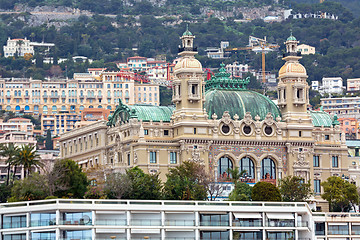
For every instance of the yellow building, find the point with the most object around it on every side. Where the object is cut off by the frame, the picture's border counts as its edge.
(306, 49)
(222, 125)
(60, 102)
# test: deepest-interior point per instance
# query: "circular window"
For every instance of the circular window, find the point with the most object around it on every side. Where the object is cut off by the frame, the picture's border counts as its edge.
(247, 129)
(268, 130)
(225, 129)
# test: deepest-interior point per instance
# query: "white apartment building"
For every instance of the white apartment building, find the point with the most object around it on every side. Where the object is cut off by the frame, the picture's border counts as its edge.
(18, 46)
(237, 69)
(70, 219)
(315, 85)
(341, 106)
(332, 85)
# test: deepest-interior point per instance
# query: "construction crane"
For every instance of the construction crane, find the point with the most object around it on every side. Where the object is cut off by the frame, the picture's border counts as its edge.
(257, 45)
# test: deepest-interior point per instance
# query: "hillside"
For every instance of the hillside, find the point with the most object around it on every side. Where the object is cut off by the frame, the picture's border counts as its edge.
(352, 5)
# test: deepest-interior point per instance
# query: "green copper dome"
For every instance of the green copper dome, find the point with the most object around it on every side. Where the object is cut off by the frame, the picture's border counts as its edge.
(323, 119)
(187, 32)
(291, 38)
(239, 102)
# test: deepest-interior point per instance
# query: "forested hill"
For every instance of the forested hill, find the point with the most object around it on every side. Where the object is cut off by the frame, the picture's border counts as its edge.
(352, 5)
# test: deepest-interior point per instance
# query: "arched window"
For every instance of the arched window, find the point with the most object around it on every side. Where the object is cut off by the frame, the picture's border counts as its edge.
(19, 93)
(45, 109)
(26, 93)
(8, 108)
(99, 106)
(108, 93)
(109, 107)
(27, 108)
(126, 93)
(17, 108)
(36, 108)
(8, 93)
(268, 169)
(246, 164)
(81, 108)
(224, 165)
(63, 108)
(63, 93)
(120, 93)
(91, 106)
(54, 109)
(15, 93)
(99, 93)
(45, 93)
(81, 93)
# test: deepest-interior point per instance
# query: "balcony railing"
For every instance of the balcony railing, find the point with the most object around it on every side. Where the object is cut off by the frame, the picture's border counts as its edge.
(37, 223)
(75, 222)
(280, 223)
(146, 222)
(257, 223)
(179, 222)
(214, 223)
(18, 224)
(303, 224)
(111, 222)
(338, 232)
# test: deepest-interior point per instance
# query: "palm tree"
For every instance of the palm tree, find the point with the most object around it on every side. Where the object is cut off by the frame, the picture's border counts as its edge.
(9, 151)
(235, 174)
(28, 158)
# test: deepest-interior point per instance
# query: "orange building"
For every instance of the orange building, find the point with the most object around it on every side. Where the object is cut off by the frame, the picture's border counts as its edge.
(349, 126)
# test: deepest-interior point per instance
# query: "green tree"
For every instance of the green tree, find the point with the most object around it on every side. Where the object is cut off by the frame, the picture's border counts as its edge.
(9, 152)
(33, 187)
(295, 189)
(339, 193)
(241, 192)
(28, 158)
(48, 141)
(143, 185)
(67, 179)
(5, 192)
(264, 191)
(188, 181)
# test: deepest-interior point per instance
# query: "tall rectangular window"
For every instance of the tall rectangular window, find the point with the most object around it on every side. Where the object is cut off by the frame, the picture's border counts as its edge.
(173, 158)
(152, 157)
(129, 159)
(316, 161)
(335, 161)
(317, 186)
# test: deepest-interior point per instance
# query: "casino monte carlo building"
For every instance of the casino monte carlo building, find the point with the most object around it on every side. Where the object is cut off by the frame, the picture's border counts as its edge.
(221, 125)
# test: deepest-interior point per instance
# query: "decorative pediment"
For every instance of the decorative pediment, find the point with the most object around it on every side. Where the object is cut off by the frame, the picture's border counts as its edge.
(269, 119)
(226, 118)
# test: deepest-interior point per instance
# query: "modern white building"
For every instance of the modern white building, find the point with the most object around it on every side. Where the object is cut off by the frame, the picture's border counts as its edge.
(237, 69)
(67, 219)
(306, 49)
(332, 85)
(217, 53)
(341, 106)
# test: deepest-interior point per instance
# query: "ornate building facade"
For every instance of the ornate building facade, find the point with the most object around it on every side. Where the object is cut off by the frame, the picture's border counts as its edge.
(222, 125)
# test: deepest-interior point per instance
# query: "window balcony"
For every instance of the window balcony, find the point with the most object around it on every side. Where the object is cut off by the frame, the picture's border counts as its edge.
(14, 224)
(254, 223)
(111, 222)
(38, 223)
(280, 223)
(180, 223)
(214, 223)
(303, 224)
(146, 222)
(76, 222)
